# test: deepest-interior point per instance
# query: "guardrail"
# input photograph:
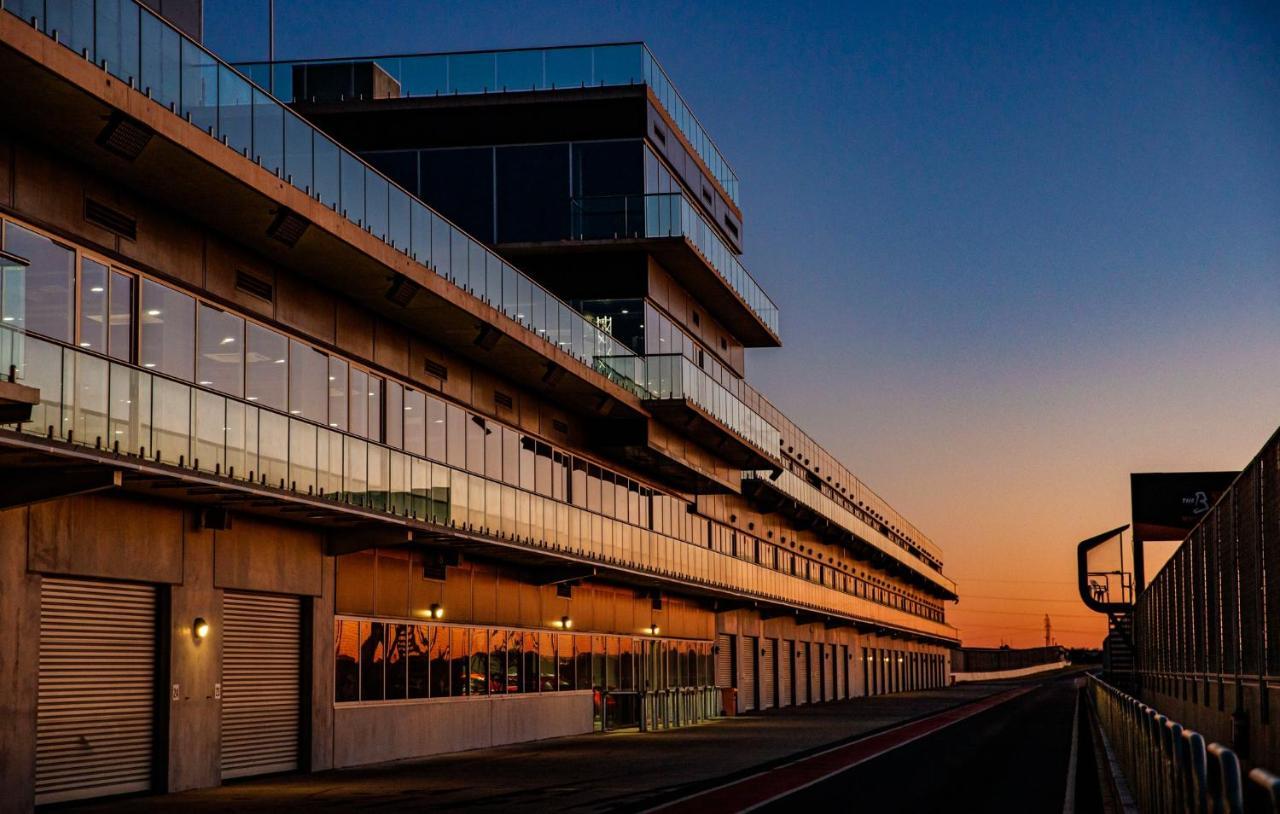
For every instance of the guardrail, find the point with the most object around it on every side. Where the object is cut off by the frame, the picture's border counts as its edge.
(1170, 768)
(677, 707)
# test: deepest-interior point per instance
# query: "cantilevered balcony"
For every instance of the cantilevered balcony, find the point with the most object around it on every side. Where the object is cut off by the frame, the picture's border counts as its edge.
(189, 132)
(684, 396)
(789, 494)
(519, 70)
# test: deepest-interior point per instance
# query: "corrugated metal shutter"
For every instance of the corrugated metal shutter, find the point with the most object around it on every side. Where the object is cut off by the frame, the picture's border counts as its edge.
(802, 673)
(842, 673)
(769, 677)
(747, 692)
(829, 670)
(97, 692)
(724, 660)
(813, 651)
(261, 659)
(785, 664)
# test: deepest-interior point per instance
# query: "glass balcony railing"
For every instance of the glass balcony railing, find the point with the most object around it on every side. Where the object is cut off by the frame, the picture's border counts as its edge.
(145, 52)
(524, 69)
(132, 414)
(609, 217)
(673, 377)
(794, 486)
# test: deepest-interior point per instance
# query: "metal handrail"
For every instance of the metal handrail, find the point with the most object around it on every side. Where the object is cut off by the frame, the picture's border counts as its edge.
(1171, 768)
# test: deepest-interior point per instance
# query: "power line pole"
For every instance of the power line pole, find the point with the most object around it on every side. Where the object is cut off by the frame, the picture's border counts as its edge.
(1048, 629)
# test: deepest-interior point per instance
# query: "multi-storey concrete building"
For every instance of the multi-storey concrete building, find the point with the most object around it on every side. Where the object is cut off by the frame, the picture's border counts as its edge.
(386, 407)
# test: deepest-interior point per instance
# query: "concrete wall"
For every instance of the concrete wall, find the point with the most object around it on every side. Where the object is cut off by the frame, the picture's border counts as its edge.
(126, 538)
(381, 732)
(1209, 713)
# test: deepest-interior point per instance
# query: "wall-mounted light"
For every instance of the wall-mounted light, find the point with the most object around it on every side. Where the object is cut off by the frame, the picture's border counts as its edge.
(652, 629)
(200, 629)
(435, 612)
(564, 623)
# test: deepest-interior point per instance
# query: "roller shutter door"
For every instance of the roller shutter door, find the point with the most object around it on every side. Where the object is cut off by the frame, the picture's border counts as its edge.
(769, 674)
(261, 682)
(842, 673)
(748, 660)
(724, 660)
(786, 663)
(802, 673)
(830, 672)
(95, 710)
(814, 653)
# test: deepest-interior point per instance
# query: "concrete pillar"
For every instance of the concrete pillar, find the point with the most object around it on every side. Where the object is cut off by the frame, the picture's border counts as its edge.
(321, 701)
(195, 666)
(19, 664)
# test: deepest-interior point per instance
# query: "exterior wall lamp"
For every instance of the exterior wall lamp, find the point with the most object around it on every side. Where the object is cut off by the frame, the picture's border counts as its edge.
(436, 611)
(652, 629)
(564, 623)
(199, 629)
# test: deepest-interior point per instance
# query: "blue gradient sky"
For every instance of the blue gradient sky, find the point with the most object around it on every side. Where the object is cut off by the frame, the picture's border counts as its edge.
(1020, 251)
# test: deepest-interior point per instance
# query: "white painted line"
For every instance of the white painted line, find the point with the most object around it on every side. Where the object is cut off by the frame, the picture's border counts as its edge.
(1069, 799)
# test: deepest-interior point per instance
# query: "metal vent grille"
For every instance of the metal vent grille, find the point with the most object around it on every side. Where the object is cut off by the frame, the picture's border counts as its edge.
(559, 426)
(256, 286)
(402, 290)
(288, 227)
(125, 137)
(502, 399)
(436, 369)
(113, 220)
(261, 683)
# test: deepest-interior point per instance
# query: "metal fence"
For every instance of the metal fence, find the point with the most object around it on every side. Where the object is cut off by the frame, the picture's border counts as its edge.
(1169, 768)
(1212, 614)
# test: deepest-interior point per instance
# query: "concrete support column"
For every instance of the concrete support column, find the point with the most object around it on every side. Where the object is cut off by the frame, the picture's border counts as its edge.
(19, 664)
(195, 666)
(321, 649)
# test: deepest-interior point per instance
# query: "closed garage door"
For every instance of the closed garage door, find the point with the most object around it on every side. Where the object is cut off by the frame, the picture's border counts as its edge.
(769, 674)
(97, 691)
(748, 661)
(724, 660)
(261, 682)
(802, 672)
(786, 662)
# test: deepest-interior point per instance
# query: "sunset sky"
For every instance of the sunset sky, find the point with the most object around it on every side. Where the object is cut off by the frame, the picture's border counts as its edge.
(1019, 251)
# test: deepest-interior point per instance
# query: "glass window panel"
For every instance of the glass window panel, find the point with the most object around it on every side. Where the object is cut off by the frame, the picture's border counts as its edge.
(471, 73)
(266, 366)
(375, 206)
(268, 133)
(358, 415)
(303, 453)
(582, 657)
(519, 70)
(352, 188)
(395, 415)
(346, 649)
(308, 375)
(373, 653)
(93, 305)
(564, 659)
(397, 661)
(510, 456)
(435, 428)
(438, 640)
(460, 661)
(337, 393)
(49, 281)
(418, 652)
(116, 37)
(72, 22)
(546, 662)
(530, 660)
(325, 169)
(120, 320)
(456, 438)
(168, 330)
(374, 398)
(415, 417)
(199, 87)
(220, 350)
(515, 662)
(493, 451)
(478, 681)
(273, 448)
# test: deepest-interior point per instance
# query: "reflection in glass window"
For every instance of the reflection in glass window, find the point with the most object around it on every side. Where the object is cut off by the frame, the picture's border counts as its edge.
(397, 661)
(415, 418)
(438, 644)
(120, 320)
(455, 436)
(266, 367)
(373, 653)
(93, 305)
(308, 377)
(395, 415)
(220, 351)
(346, 660)
(497, 661)
(168, 330)
(337, 393)
(49, 281)
(435, 429)
(374, 407)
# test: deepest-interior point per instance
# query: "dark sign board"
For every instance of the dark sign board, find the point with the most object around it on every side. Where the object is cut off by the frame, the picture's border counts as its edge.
(1167, 505)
